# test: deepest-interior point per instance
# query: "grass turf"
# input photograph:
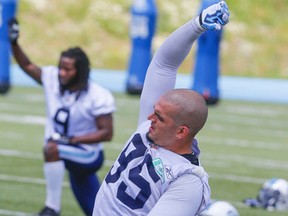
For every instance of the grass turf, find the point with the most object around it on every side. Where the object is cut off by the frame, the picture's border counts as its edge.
(243, 144)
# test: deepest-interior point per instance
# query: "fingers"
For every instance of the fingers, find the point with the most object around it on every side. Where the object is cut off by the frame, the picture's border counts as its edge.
(215, 16)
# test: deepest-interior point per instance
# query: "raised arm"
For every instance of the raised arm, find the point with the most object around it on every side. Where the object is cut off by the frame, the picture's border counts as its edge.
(31, 69)
(162, 71)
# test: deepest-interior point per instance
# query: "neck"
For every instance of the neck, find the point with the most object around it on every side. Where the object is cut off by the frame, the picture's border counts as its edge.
(73, 88)
(181, 148)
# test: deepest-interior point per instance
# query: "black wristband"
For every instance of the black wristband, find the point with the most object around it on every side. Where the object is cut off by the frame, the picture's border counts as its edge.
(200, 19)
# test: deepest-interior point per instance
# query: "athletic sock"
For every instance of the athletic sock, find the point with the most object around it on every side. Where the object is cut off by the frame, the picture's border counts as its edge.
(54, 174)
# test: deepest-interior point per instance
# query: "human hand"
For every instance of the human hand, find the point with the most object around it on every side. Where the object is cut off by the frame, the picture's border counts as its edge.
(60, 139)
(215, 16)
(13, 30)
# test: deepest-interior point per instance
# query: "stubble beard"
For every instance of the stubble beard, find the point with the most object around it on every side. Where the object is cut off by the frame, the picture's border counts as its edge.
(149, 138)
(71, 83)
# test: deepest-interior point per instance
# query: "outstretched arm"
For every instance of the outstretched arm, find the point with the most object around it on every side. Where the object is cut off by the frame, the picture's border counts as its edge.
(31, 69)
(161, 73)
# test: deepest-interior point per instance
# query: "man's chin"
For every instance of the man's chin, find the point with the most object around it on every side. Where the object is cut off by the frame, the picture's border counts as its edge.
(65, 86)
(149, 138)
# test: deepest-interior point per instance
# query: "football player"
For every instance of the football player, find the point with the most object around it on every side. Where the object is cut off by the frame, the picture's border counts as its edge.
(79, 119)
(158, 172)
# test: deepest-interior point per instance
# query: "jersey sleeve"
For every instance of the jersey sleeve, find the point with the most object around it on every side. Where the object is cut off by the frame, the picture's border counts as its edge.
(183, 197)
(49, 75)
(103, 102)
(161, 73)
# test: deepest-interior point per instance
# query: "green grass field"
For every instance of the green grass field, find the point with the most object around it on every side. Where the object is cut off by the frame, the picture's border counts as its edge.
(243, 144)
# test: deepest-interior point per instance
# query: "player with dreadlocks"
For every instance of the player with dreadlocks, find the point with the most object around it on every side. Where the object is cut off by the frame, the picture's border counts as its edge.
(79, 119)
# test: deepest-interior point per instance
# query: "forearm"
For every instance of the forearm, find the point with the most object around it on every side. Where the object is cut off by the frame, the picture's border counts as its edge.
(25, 63)
(161, 74)
(176, 47)
(95, 137)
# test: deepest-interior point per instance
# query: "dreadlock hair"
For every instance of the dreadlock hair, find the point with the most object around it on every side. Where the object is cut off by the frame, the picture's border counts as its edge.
(82, 65)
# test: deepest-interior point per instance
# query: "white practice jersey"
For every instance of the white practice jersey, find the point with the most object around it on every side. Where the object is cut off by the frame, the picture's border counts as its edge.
(73, 114)
(140, 176)
(147, 179)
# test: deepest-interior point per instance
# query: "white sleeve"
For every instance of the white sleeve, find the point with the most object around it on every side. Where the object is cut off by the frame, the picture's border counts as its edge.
(103, 101)
(183, 197)
(161, 73)
(48, 74)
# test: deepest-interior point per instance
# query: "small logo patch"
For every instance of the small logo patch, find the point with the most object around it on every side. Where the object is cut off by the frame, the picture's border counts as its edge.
(158, 165)
(169, 172)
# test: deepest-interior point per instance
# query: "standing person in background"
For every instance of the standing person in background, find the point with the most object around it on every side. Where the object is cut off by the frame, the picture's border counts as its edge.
(79, 119)
(158, 172)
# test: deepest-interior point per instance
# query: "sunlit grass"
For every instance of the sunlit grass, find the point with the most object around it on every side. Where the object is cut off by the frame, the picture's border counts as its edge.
(243, 144)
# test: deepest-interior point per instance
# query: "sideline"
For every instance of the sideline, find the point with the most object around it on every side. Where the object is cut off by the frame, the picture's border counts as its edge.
(231, 88)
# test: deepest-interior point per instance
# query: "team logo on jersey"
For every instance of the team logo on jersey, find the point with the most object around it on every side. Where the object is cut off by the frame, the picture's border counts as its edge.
(169, 172)
(159, 168)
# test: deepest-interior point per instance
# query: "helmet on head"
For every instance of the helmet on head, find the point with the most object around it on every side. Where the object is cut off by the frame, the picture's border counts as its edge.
(274, 194)
(220, 208)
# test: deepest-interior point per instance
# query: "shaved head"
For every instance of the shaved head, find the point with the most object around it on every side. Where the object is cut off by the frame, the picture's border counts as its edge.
(190, 108)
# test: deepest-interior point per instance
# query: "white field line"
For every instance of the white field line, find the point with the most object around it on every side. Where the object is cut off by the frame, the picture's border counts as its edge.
(36, 156)
(252, 110)
(12, 135)
(20, 154)
(40, 120)
(28, 180)
(243, 143)
(248, 120)
(236, 178)
(261, 121)
(23, 107)
(243, 159)
(210, 160)
(14, 213)
(23, 119)
(228, 177)
(256, 131)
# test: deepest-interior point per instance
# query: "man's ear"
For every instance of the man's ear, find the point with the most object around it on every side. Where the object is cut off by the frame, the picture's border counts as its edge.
(182, 131)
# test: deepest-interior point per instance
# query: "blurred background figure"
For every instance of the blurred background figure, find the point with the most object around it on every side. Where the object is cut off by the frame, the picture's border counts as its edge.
(79, 119)
(7, 11)
(207, 62)
(220, 208)
(142, 30)
(272, 196)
